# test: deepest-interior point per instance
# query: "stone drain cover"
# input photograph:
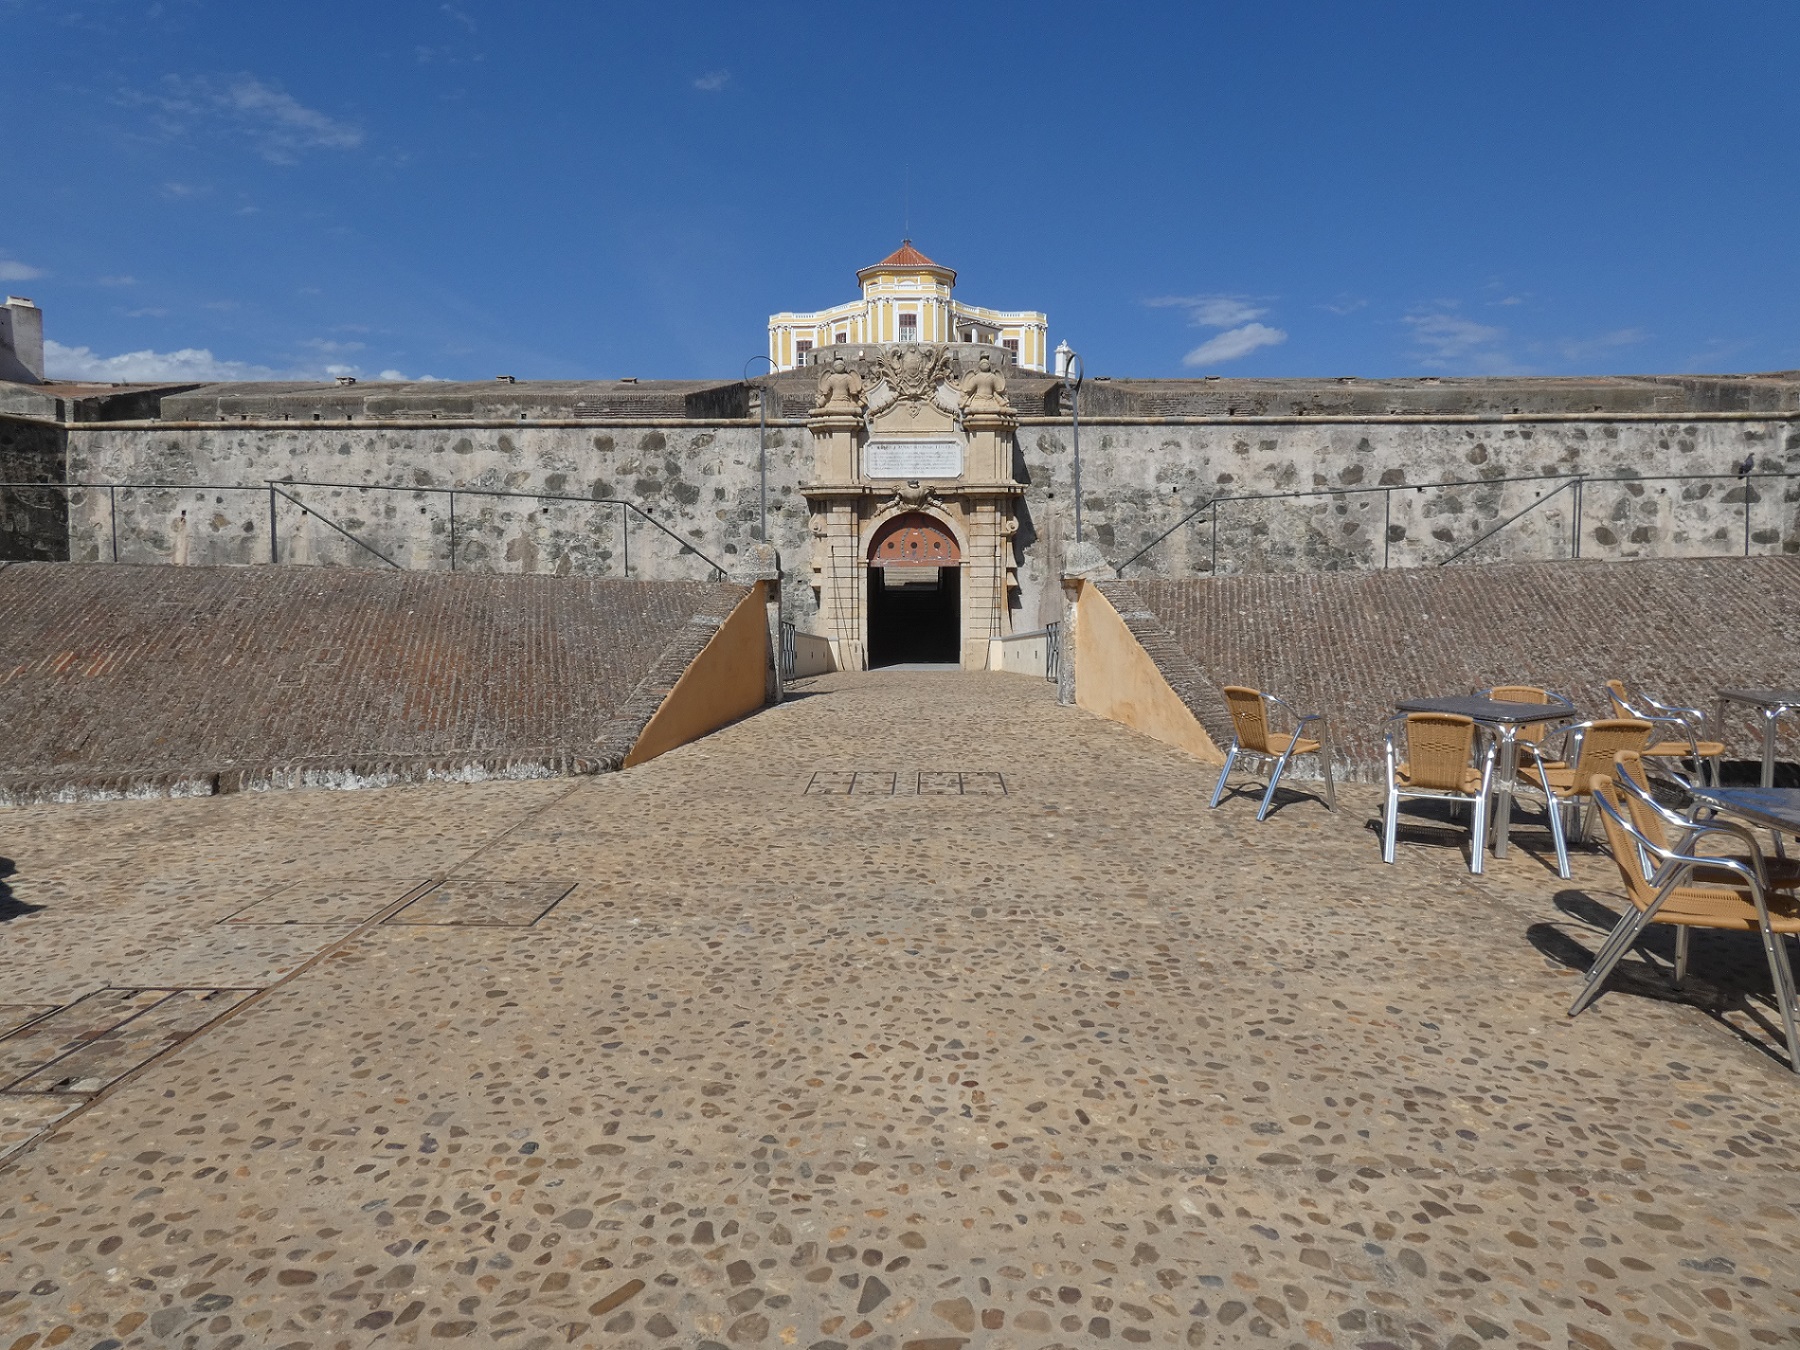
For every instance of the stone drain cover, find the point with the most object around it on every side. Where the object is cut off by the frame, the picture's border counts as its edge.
(100, 1038)
(919, 783)
(340, 903)
(474, 903)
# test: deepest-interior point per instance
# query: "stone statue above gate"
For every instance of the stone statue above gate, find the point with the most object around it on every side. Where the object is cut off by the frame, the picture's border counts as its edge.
(984, 389)
(840, 390)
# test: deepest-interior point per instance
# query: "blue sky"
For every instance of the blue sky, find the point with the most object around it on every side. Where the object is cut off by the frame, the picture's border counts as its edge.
(464, 189)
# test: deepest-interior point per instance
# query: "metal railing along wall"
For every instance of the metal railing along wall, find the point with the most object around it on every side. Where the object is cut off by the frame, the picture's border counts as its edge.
(789, 651)
(283, 495)
(1571, 491)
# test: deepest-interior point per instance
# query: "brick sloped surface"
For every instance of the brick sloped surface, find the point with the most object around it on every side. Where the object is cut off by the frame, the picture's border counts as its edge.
(122, 680)
(1351, 644)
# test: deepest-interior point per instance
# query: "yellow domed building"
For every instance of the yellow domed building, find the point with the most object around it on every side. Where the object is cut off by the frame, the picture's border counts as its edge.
(906, 297)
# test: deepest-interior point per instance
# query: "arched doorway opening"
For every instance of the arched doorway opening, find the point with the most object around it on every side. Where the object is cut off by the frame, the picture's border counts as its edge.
(915, 593)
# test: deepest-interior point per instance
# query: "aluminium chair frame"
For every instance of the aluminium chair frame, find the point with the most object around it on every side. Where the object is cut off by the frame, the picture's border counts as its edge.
(1239, 750)
(1688, 722)
(1685, 830)
(1390, 825)
(1555, 803)
(1673, 867)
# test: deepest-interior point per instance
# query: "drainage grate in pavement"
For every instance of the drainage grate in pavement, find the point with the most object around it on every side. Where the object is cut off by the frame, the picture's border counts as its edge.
(922, 783)
(484, 904)
(15, 1015)
(104, 1036)
(338, 903)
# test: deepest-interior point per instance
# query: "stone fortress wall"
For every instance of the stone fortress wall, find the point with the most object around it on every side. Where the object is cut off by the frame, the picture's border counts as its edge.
(1399, 473)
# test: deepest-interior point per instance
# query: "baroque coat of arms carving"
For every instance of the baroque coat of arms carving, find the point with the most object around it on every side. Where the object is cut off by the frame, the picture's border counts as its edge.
(907, 372)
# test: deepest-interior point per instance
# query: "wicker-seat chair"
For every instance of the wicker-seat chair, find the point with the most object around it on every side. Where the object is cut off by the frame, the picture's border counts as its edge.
(1568, 783)
(1533, 732)
(1685, 745)
(1667, 828)
(1676, 895)
(1445, 760)
(1254, 740)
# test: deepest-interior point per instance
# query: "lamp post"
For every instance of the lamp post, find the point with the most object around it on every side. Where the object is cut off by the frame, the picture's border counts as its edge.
(762, 448)
(1068, 365)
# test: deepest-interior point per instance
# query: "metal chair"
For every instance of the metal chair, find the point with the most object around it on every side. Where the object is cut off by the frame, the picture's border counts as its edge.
(1668, 828)
(1253, 740)
(1567, 783)
(1686, 723)
(1530, 693)
(1671, 896)
(1445, 761)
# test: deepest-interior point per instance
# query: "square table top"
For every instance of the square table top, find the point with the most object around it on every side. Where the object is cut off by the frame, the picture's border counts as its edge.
(1489, 710)
(1765, 698)
(1776, 808)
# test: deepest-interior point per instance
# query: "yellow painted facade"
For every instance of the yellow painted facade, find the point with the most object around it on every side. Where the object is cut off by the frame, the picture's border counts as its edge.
(906, 297)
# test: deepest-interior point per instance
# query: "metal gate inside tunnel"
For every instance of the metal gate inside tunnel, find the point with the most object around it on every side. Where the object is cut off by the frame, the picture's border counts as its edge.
(915, 593)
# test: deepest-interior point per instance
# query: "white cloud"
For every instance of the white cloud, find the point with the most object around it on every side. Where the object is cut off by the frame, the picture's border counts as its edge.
(190, 363)
(1211, 311)
(18, 271)
(199, 365)
(1587, 349)
(153, 312)
(407, 379)
(1234, 343)
(274, 121)
(459, 16)
(713, 81)
(1446, 339)
(1345, 304)
(116, 281)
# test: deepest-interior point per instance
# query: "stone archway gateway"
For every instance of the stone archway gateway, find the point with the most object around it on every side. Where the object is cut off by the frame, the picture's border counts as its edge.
(914, 539)
(912, 505)
(915, 592)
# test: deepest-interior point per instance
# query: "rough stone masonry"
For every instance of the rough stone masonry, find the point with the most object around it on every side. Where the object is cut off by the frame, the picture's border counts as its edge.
(1380, 473)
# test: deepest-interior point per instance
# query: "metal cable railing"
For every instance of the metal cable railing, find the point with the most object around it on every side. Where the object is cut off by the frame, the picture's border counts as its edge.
(1575, 485)
(280, 490)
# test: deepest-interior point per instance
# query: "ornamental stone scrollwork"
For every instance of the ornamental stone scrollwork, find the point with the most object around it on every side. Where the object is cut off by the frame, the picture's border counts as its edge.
(912, 370)
(912, 497)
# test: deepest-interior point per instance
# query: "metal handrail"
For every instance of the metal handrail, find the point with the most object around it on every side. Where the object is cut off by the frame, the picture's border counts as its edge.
(1577, 482)
(277, 492)
(1479, 540)
(275, 486)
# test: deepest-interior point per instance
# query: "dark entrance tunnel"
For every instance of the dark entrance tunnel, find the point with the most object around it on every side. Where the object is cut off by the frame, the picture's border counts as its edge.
(914, 615)
(915, 592)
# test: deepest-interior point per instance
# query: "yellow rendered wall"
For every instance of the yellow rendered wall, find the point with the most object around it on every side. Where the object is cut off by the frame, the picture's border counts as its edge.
(725, 682)
(1115, 678)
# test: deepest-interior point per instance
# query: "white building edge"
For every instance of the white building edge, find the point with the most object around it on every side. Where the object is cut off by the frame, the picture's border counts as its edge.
(907, 298)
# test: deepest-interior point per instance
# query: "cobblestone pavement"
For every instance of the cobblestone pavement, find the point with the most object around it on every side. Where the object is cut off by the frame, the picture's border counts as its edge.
(918, 1011)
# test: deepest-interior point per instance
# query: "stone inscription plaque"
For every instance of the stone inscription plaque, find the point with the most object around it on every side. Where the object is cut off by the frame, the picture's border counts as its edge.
(913, 459)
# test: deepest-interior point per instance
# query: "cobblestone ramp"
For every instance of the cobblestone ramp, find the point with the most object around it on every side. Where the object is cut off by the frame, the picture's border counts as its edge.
(124, 680)
(1351, 644)
(916, 1013)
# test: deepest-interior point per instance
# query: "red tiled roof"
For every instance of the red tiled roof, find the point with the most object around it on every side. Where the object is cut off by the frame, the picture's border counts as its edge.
(906, 256)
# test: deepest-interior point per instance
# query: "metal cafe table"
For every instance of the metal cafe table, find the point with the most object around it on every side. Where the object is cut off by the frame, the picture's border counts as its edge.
(1776, 809)
(1773, 704)
(1504, 720)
